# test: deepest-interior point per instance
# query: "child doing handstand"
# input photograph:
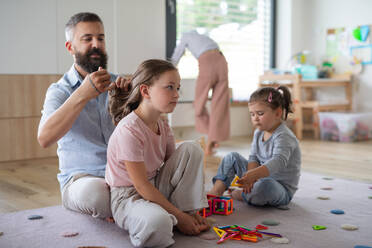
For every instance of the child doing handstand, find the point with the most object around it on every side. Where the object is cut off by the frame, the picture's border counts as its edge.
(154, 186)
(271, 174)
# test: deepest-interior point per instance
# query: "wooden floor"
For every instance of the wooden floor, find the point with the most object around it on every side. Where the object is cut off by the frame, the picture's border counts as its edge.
(33, 184)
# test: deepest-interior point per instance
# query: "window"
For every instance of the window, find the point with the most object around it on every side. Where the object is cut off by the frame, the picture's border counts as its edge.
(242, 28)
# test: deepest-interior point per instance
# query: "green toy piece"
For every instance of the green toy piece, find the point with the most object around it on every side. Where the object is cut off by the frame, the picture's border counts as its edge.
(318, 227)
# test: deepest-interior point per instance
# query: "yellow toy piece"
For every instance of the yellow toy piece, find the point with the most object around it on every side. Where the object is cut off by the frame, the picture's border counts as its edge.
(219, 232)
(234, 182)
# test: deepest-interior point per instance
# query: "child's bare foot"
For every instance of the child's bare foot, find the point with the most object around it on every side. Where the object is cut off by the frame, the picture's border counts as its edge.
(237, 194)
(209, 148)
(218, 189)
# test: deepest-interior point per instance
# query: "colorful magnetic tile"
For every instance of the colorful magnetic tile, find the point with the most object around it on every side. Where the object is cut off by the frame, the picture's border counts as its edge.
(219, 232)
(234, 182)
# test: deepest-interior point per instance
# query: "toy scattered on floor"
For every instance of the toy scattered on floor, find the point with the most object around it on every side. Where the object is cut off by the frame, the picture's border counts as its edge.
(217, 205)
(327, 178)
(69, 234)
(349, 227)
(238, 232)
(234, 182)
(34, 217)
(370, 197)
(1, 233)
(261, 227)
(323, 197)
(319, 227)
(337, 211)
(326, 188)
(282, 240)
(270, 222)
(370, 187)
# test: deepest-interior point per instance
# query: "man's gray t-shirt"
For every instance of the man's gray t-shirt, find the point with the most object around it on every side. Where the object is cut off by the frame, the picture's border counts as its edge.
(281, 154)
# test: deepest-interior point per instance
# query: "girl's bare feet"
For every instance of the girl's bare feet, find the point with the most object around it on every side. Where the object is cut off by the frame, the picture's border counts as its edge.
(236, 194)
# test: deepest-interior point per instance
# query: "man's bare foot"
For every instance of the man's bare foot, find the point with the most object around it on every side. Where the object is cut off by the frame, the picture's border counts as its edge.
(237, 194)
(209, 148)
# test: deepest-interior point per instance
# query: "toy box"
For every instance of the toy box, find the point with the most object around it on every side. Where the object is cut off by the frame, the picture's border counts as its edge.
(345, 127)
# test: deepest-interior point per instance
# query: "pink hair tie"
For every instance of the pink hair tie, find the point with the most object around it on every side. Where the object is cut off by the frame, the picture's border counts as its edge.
(270, 98)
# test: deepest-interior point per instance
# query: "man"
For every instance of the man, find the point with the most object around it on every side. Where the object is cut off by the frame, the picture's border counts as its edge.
(75, 115)
(213, 74)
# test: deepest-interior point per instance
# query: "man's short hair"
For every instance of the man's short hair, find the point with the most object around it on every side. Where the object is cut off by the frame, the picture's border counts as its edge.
(79, 17)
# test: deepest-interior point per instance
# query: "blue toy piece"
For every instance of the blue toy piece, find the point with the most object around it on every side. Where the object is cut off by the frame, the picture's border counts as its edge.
(337, 211)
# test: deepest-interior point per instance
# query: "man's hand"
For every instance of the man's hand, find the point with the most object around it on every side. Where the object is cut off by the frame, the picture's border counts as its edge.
(123, 82)
(96, 83)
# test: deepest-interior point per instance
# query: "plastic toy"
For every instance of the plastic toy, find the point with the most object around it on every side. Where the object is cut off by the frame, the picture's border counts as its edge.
(234, 182)
(217, 205)
(238, 232)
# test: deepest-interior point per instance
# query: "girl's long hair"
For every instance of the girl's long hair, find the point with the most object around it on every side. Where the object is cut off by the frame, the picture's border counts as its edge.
(122, 102)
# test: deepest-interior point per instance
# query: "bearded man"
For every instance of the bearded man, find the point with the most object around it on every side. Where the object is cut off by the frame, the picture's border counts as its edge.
(75, 115)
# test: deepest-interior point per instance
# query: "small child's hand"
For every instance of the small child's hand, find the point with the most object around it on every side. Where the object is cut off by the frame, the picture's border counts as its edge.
(247, 183)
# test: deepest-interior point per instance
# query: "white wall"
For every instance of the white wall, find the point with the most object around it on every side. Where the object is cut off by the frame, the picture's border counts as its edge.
(32, 33)
(302, 25)
(33, 40)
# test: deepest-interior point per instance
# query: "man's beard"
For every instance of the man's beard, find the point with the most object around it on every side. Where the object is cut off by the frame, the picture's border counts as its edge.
(89, 64)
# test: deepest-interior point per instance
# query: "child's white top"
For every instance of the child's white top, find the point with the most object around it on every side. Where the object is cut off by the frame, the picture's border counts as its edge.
(132, 140)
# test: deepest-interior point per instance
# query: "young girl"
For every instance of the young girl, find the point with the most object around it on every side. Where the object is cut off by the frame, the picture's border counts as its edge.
(270, 176)
(153, 185)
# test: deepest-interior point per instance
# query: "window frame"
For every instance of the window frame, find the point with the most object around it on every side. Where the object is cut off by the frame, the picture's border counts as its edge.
(171, 29)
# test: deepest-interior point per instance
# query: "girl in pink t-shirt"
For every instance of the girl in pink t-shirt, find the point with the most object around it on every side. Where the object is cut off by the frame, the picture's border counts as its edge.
(154, 186)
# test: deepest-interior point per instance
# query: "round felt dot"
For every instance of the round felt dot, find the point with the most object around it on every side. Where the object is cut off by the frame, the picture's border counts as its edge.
(270, 222)
(282, 240)
(208, 236)
(319, 227)
(337, 211)
(349, 227)
(322, 197)
(69, 234)
(34, 217)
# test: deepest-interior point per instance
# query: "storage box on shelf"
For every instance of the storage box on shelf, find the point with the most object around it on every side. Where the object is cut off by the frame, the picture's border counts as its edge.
(345, 127)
